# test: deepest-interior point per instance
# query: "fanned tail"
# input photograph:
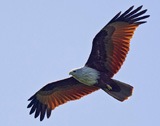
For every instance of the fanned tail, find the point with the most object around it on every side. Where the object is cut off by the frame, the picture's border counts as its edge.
(124, 92)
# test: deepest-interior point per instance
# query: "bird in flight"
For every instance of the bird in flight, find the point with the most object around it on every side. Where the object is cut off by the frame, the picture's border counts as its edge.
(109, 49)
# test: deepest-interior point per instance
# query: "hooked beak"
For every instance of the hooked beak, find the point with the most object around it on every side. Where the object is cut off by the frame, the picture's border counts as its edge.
(70, 73)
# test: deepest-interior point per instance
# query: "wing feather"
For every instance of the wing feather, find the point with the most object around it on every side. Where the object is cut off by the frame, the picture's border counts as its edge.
(57, 93)
(111, 44)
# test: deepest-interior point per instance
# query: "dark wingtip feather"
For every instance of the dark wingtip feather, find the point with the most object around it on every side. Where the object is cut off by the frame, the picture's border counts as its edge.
(31, 103)
(32, 97)
(137, 14)
(141, 18)
(139, 8)
(48, 112)
(32, 110)
(43, 111)
(131, 16)
(141, 22)
(38, 110)
(127, 11)
(133, 12)
(115, 17)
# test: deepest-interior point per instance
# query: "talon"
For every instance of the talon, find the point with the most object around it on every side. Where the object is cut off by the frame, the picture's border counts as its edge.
(109, 87)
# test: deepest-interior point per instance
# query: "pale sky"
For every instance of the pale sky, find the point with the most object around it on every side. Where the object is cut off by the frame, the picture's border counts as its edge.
(42, 40)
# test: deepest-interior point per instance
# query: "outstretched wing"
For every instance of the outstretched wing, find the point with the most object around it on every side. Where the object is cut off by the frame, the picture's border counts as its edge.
(111, 44)
(55, 94)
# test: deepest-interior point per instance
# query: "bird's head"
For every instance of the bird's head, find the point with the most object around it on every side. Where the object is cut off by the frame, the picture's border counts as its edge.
(85, 75)
(73, 72)
(77, 73)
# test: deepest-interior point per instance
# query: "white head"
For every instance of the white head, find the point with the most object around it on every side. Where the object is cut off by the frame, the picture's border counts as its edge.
(85, 75)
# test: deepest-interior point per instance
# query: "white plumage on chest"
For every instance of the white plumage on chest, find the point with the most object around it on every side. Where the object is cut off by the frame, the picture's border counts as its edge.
(86, 75)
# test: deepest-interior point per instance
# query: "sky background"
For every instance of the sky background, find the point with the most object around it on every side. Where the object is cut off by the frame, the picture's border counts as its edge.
(42, 40)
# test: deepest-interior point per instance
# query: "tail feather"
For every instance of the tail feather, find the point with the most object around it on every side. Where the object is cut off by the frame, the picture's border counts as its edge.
(124, 93)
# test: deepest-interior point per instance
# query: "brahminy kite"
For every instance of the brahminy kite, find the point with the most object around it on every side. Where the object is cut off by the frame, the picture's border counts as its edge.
(109, 50)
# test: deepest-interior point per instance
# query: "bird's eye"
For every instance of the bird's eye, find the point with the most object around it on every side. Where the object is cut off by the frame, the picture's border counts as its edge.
(74, 71)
